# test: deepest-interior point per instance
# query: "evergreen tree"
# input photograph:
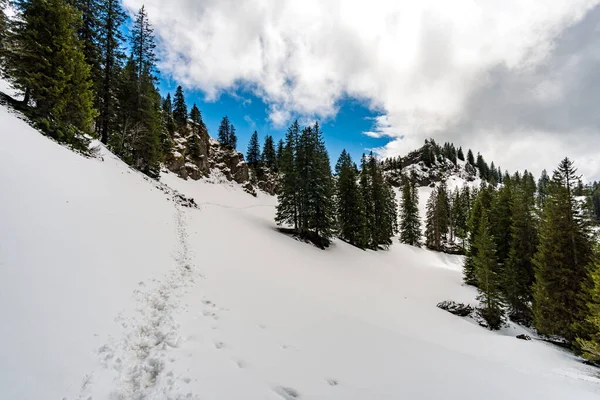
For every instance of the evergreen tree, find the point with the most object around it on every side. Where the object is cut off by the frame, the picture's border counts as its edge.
(460, 154)
(253, 153)
(410, 223)
(180, 113)
(45, 60)
(590, 348)
(501, 219)
(518, 271)
(197, 127)
(489, 279)
(562, 259)
(224, 129)
(89, 34)
(349, 203)
(280, 147)
(437, 218)
(143, 45)
(543, 184)
(482, 203)
(383, 217)
(470, 158)
(232, 137)
(269, 157)
(110, 39)
(365, 184)
(288, 197)
(167, 112)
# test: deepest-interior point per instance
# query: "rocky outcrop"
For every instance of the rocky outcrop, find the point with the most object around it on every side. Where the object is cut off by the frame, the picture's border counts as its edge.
(190, 154)
(455, 308)
(229, 161)
(195, 155)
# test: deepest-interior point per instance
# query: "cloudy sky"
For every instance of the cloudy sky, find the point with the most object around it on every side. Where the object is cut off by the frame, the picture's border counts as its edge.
(518, 80)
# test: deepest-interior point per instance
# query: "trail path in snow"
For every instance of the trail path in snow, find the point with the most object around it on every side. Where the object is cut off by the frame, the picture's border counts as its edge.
(137, 361)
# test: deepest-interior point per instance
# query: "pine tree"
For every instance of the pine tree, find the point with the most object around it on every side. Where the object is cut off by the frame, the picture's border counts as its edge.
(46, 62)
(590, 348)
(143, 45)
(180, 113)
(349, 203)
(410, 223)
(89, 36)
(460, 154)
(562, 259)
(224, 131)
(518, 271)
(482, 203)
(269, 157)
(470, 158)
(288, 196)
(543, 184)
(365, 184)
(280, 147)
(110, 39)
(253, 153)
(488, 278)
(501, 219)
(167, 112)
(232, 137)
(197, 127)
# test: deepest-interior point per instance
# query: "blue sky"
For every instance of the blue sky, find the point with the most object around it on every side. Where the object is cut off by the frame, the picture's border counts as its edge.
(248, 112)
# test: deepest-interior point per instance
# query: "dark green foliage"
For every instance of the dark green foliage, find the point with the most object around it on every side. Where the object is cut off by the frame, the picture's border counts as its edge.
(543, 184)
(562, 260)
(482, 203)
(482, 166)
(253, 153)
(89, 36)
(437, 221)
(45, 60)
(279, 151)
(470, 158)
(180, 113)
(380, 204)
(110, 39)
(596, 201)
(590, 348)
(226, 133)
(410, 221)
(518, 270)
(167, 113)
(269, 157)
(489, 279)
(349, 203)
(197, 128)
(501, 219)
(288, 197)
(460, 154)
(143, 45)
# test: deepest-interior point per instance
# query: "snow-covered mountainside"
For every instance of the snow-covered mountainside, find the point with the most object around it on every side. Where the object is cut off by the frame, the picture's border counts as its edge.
(112, 288)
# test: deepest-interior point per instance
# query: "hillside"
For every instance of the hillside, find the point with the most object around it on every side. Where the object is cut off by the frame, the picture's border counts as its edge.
(111, 288)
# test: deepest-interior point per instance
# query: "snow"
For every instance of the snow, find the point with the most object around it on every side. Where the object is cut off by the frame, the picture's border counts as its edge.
(109, 289)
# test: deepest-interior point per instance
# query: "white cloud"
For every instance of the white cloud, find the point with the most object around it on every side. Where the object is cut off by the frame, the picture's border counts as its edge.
(415, 61)
(250, 121)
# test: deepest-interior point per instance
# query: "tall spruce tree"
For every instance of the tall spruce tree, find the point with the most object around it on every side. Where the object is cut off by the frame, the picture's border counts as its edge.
(110, 39)
(349, 203)
(518, 271)
(180, 113)
(365, 184)
(482, 203)
(470, 158)
(197, 126)
(288, 196)
(543, 184)
(45, 60)
(460, 155)
(232, 137)
(562, 259)
(253, 153)
(590, 347)
(489, 280)
(269, 157)
(224, 129)
(143, 45)
(167, 113)
(279, 151)
(410, 221)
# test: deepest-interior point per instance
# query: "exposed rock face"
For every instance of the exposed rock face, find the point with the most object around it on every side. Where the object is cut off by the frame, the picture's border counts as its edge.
(190, 154)
(229, 161)
(523, 337)
(195, 155)
(459, 309)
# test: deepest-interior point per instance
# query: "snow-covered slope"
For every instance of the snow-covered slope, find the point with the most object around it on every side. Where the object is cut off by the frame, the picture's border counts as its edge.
(111, 290)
